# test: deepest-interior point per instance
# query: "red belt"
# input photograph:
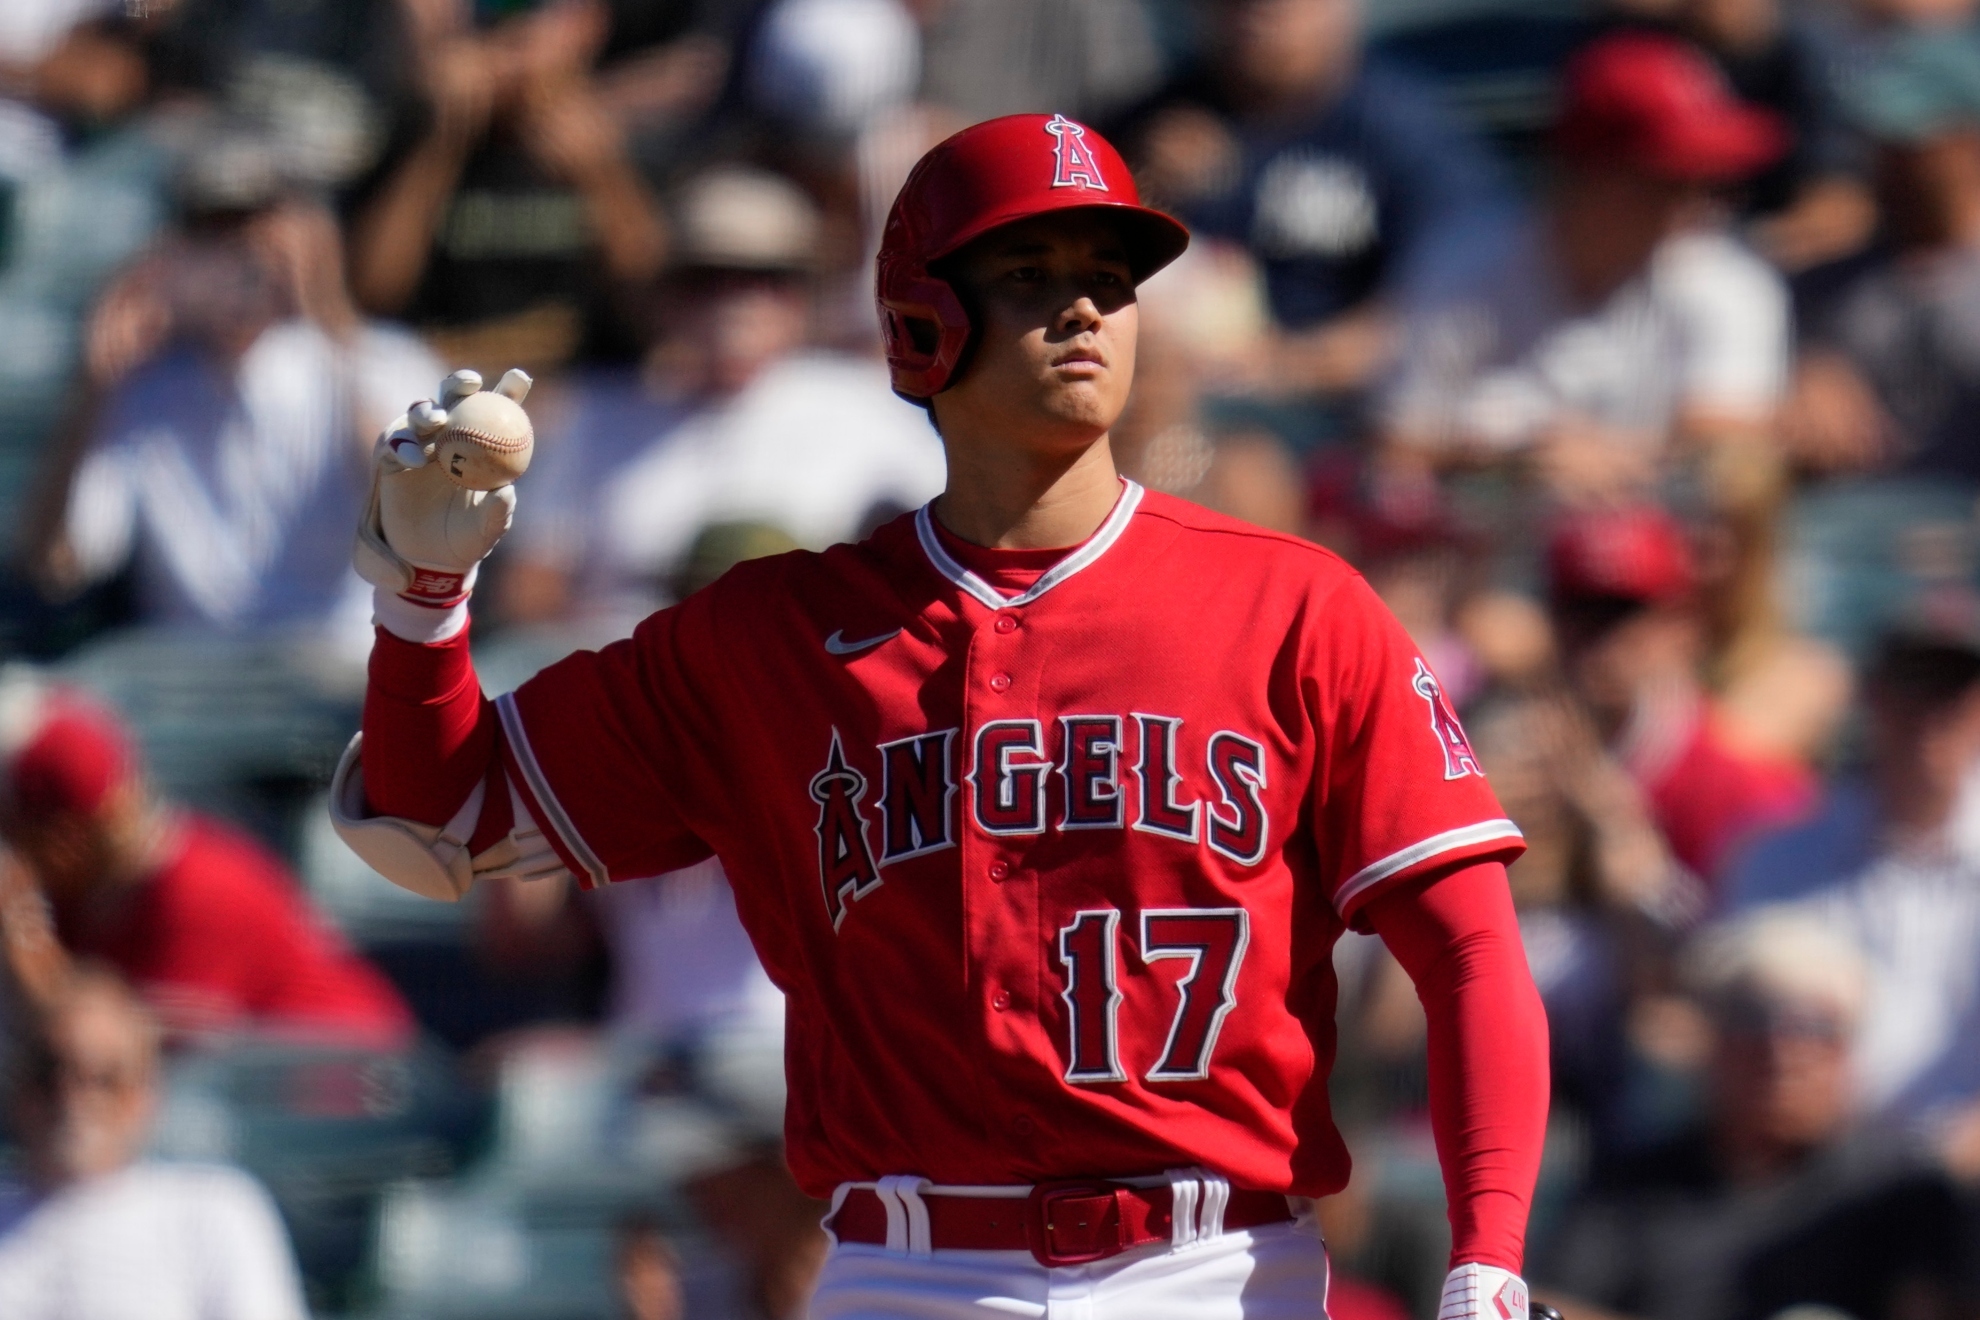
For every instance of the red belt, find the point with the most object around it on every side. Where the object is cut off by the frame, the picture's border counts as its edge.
(1059, 1223)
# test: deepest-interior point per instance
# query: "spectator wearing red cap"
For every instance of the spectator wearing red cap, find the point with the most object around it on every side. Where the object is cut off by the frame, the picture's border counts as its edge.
(1623, 593)
(1630, 326)
(211, 929)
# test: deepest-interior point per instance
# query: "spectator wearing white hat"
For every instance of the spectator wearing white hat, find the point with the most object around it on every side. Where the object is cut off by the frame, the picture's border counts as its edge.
(729, 419)
(1778, 1199)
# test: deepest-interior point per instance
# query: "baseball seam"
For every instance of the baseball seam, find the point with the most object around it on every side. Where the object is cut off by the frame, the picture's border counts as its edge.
(486, 440)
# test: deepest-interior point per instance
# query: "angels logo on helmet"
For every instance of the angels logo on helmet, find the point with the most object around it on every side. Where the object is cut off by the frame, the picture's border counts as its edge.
(1073, 162)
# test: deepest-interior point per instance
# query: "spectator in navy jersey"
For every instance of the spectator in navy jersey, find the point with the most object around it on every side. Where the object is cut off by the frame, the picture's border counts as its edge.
(1341, 174)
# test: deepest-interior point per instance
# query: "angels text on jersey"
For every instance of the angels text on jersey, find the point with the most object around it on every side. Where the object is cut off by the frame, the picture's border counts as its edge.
(1014, 777)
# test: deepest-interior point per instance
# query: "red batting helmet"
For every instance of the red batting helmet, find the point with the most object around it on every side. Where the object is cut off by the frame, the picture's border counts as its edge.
(995, 173)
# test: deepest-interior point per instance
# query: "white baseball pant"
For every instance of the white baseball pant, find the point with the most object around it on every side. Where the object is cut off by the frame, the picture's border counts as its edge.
(1278, 1272)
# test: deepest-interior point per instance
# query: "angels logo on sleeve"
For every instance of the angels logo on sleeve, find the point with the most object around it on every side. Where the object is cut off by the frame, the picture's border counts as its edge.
(1073, 163)
(1459, 759)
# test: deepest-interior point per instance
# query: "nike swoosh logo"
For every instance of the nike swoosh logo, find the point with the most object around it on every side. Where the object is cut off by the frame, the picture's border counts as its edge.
(838, 645)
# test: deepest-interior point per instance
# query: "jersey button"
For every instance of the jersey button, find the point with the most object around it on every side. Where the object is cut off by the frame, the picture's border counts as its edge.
(1000, 682)
(1000, 1001)
(1006, 623)
(999, 870)
(1022, 1125)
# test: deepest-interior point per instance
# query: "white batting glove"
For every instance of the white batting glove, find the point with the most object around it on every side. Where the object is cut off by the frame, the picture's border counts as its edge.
(1483, 1292)
(422, 537)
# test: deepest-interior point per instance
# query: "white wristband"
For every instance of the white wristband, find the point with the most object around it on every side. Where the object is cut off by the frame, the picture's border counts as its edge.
(413, 622)
(1482, 1292)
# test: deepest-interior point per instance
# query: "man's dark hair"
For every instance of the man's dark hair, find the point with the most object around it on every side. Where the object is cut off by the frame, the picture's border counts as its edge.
(1923, 671)
(32, 1066)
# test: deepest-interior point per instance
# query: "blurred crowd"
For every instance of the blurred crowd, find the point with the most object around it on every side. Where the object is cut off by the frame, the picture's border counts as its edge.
(1630, 348)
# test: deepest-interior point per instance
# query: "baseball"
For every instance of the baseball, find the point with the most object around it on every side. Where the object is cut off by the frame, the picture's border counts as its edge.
(487, 439)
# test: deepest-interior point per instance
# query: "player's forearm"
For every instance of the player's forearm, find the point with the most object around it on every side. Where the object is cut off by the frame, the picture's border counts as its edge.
(435, 812)
(1459, 941)
(429, 735)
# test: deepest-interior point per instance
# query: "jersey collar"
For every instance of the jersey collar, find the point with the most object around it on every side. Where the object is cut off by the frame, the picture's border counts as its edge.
(1096, 545)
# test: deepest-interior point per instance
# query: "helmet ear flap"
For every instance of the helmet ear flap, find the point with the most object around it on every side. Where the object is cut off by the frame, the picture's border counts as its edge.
(924, 334)
(927, 331)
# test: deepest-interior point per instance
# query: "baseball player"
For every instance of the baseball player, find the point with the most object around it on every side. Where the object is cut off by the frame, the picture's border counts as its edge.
(1044, 806)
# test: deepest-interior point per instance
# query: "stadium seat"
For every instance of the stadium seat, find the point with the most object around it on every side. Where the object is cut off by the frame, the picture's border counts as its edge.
(325, 1128)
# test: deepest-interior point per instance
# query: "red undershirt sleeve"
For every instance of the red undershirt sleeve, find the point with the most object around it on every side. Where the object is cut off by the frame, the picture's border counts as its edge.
(429, 735)
(1458, 939)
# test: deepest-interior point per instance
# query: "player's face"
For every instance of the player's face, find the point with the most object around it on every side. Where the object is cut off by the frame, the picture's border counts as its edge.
(1053, 298)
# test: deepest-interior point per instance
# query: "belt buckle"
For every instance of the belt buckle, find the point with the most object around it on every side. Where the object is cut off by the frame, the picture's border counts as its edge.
(1042, 1231)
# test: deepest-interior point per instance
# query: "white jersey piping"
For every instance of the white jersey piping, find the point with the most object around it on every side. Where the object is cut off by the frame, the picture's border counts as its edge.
(1096, 545)
(1485, 831)
(560, 821)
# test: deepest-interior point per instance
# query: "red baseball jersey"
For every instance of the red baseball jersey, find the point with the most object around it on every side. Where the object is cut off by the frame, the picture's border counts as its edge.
(220, 937)
(1051, 877)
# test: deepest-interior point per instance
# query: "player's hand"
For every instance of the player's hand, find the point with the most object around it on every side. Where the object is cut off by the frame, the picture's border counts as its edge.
(423, 536)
